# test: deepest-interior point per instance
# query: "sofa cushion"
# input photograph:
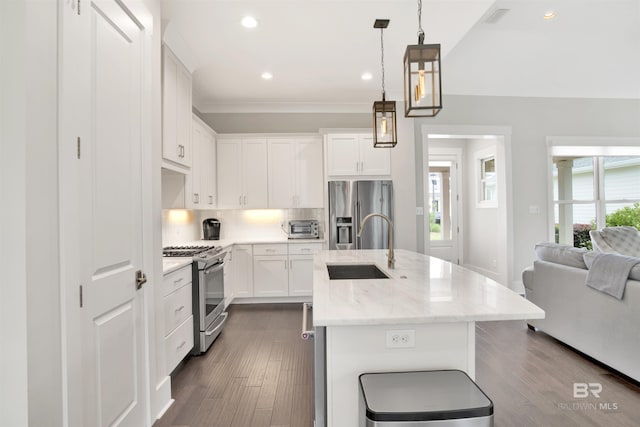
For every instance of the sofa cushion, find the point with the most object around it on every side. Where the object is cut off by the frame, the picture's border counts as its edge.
(561, 254)
(589, 256)
(624, 240)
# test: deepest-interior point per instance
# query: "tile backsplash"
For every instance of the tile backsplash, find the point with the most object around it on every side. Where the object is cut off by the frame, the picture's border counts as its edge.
(180, 225)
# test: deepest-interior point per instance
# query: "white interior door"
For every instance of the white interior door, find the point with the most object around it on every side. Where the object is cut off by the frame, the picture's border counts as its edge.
(111, 221)
(443, 215)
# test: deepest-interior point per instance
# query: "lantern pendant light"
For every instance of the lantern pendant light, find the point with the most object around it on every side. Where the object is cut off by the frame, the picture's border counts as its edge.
(384, 112)
(422, 80)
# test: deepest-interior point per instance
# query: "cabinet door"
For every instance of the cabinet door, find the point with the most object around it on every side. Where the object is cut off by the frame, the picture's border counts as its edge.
(308, 173)
(229, 173)
(243, 271)
(281, 173)
(300, 275)
(343, 155)
(207, 163)
(373, 161)
(194, 193)
(271, 276)
(183, 114)
(254, 157)
(170, 150)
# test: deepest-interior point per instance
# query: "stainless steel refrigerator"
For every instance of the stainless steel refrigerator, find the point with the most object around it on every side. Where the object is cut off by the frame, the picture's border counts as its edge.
(349, 202)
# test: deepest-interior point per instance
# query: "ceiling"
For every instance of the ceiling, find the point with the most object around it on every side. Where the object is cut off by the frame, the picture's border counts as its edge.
(317, 50)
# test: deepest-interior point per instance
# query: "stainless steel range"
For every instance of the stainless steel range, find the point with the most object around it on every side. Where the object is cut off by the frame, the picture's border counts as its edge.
(208, 291)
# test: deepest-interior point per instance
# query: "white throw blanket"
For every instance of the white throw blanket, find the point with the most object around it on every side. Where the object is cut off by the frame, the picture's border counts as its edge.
(609, 273)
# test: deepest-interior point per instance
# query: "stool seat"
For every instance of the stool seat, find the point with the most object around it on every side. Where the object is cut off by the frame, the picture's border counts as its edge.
(426, 397)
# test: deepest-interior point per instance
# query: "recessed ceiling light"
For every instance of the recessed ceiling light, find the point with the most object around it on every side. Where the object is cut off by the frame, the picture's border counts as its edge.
(550, 14)
(366, 76)
(249, 22)
(267, 75)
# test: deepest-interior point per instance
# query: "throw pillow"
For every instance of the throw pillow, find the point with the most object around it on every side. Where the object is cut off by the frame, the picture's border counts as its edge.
(625, 240)
(589, 256)
(561, 254)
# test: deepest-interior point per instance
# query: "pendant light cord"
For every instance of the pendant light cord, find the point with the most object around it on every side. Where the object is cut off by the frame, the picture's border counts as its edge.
(382, 59)
(420, 30)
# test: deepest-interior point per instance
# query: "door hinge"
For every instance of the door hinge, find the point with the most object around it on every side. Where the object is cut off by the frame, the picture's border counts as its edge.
(81, 297)
(458, 229)
(457, 198)
(78, 147)
(78, 8)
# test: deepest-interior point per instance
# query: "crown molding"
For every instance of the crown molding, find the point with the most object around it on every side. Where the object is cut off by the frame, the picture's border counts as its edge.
(282, 107)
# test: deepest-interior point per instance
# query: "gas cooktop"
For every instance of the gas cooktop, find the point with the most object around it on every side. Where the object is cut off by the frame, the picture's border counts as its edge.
(185, 251)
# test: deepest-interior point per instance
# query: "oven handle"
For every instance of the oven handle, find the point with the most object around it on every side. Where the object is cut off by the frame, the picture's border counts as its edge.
(214, 268)
(218, 326)
(306, 333)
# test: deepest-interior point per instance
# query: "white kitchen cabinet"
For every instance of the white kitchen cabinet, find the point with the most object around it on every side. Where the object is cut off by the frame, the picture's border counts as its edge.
(354, 155)
(201, 183)
(242, 173)
(301, 268)
(178, 315)
(270, 270)
(242, 271)
(295, 172)
(176, 112)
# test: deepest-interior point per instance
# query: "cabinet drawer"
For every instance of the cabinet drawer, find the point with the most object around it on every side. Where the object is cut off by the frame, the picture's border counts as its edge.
(179, 343)
(177, 307)
(176, 280)
(278, 249)
(304, 248)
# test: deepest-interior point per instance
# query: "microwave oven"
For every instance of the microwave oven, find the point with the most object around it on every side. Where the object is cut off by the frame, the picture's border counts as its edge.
(303, 229)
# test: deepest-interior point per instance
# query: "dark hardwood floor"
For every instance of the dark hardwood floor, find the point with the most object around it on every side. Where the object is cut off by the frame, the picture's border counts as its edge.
(260, 373)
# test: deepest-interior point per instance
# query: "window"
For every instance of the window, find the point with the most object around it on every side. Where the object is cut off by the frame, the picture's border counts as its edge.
(488, 179)
(591, 192)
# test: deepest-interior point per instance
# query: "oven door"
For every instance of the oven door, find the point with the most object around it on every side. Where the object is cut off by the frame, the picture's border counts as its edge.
(211, 290)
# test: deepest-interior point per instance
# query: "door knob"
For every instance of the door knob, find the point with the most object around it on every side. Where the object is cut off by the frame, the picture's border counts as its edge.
(141, 279)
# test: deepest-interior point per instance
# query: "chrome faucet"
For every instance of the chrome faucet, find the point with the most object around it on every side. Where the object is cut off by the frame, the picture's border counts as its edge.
(391, 260)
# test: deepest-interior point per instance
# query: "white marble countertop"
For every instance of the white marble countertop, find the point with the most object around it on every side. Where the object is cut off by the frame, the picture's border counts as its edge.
(421, 289)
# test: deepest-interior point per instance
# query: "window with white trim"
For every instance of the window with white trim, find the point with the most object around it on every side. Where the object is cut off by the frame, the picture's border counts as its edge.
(594, 191)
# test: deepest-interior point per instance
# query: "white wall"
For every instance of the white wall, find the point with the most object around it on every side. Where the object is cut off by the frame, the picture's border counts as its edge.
(30, 329)
(481, 224)
(531, 120)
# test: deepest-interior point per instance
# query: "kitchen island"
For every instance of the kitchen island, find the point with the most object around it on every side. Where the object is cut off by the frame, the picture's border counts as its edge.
(421, 317)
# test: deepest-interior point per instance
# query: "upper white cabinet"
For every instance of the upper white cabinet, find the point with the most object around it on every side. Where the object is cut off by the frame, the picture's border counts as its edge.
(295, 172)
(176, 111)
(201, 183)
(242, 173)
(354, 155)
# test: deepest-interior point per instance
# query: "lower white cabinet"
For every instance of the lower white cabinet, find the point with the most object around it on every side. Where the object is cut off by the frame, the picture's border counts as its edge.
(242, 271)
(300, 275)
(178, 315)
(274, 270)
(271, 276)
(270, 265)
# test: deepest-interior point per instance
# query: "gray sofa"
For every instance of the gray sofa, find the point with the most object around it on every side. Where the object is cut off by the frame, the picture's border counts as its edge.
(592, 322)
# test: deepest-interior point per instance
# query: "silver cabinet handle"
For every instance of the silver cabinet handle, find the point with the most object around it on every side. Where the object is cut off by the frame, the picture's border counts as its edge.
(290, 264)
(179, 309)
(285, 264)
(178, 280)
(240, 200)
(210, 200)
(269, 250)
(362, 167)
(245, 200)
(357, 166)
(182, 344)
(305, 249)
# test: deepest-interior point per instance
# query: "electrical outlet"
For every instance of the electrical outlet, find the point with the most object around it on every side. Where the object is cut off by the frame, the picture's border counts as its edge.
(405, 338)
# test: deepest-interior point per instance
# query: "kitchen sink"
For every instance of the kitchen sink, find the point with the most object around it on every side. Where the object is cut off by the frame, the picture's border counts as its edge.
(355, 271)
